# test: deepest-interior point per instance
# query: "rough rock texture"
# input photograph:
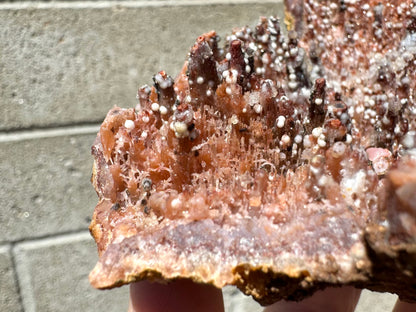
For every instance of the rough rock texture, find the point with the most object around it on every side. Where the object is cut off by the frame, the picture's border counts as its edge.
(278, 164)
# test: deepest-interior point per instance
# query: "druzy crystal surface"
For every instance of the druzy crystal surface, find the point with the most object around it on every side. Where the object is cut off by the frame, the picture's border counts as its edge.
(280, 163)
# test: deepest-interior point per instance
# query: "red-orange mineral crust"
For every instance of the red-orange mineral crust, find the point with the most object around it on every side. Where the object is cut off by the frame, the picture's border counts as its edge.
(280, 164)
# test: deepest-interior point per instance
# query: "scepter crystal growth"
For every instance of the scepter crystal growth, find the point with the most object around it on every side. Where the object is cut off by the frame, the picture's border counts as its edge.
(280, 164)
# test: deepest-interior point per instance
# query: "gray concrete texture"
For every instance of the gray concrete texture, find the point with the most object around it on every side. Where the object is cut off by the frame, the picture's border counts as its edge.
(54, 276)
(63, 64)
(9, 295)
(45, 186)
(371, 301)
(236, 301)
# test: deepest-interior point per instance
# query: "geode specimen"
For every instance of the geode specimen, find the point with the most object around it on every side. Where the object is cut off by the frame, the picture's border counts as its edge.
(280, 164)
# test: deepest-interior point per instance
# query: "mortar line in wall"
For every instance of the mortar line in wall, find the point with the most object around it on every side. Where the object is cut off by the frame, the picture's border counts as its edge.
(45, 239)
(120, 4)
(16, 278)
(39, 133)
(52, 125)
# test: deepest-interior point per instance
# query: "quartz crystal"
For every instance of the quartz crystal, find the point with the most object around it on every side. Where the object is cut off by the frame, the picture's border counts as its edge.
(279, 162)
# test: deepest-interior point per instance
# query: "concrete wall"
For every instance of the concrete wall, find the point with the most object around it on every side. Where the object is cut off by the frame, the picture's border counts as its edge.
(63, 65)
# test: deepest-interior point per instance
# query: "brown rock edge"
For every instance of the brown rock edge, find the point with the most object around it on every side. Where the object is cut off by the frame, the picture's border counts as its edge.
(279, 165)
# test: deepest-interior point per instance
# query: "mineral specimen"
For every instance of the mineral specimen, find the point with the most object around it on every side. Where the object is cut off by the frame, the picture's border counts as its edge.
(280, 164)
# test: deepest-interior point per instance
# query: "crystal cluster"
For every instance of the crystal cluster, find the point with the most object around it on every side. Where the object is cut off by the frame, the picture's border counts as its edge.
(280, 163)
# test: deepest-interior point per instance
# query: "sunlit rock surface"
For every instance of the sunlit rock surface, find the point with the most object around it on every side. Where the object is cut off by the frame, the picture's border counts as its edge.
(280, 164)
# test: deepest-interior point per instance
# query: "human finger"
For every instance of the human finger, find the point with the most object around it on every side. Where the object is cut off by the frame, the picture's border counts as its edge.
(402, 306)
(342, 299)
(179, 295)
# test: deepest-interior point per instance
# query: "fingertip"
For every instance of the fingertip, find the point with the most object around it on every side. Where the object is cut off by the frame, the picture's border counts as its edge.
(179, 295)
(402, 306)
(343, 299)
